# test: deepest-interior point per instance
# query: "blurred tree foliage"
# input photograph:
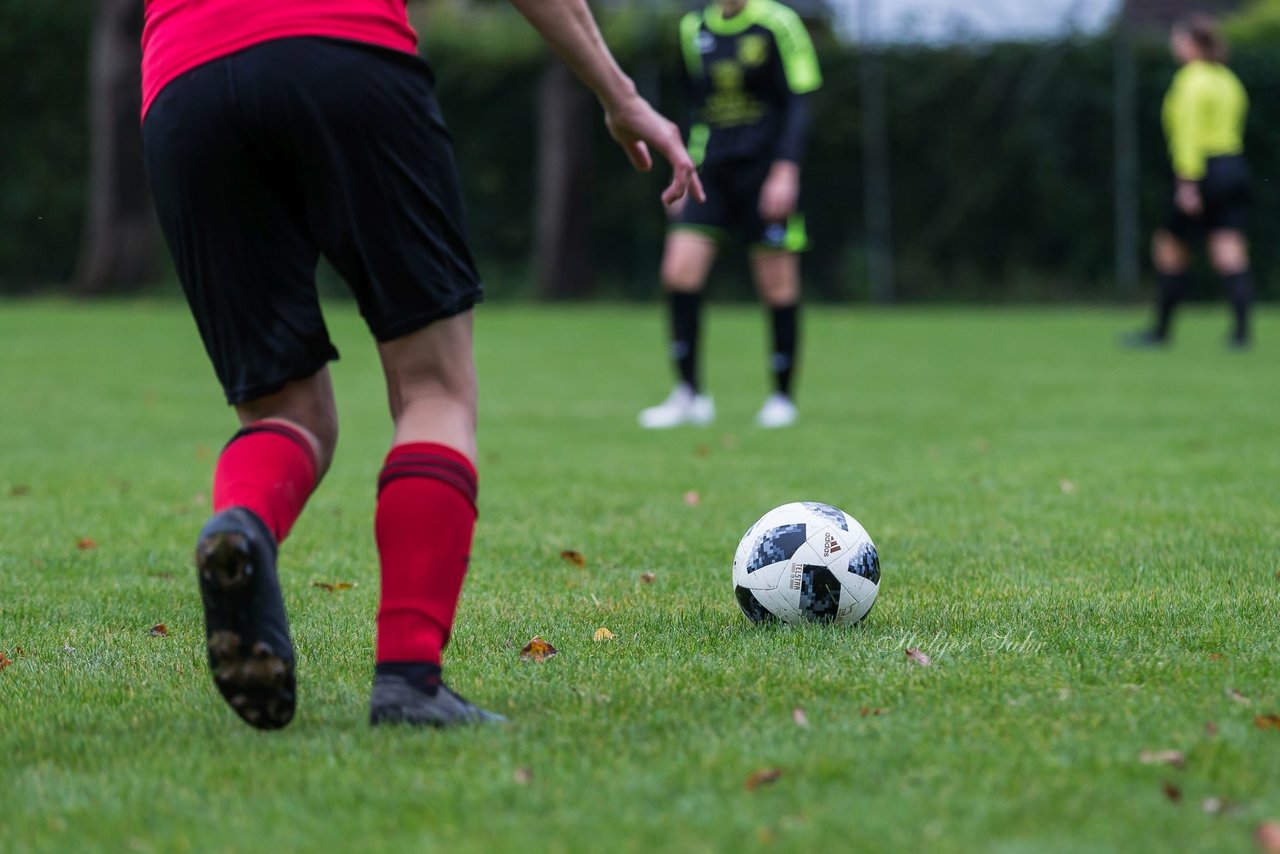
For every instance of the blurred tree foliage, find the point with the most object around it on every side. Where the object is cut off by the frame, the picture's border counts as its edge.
(43, 139)
(1002, 156)
(1257, 24)
(1002, 172)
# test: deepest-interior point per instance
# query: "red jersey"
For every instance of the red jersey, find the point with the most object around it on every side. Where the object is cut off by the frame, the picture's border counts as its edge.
(181, 34)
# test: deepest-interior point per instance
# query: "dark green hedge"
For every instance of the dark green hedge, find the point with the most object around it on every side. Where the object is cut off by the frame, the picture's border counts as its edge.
(1002, 172)
(1002, 158)
(43, 144)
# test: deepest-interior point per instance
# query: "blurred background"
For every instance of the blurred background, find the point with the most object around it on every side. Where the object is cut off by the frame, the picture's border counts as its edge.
(991, 150)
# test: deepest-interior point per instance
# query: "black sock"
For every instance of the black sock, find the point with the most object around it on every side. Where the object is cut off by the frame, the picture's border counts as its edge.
(1240, 292)
(422, 675)
(1171, 290)
(686, 316)
(786, 335)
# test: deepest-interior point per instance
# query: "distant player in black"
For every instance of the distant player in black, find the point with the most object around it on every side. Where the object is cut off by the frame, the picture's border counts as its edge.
(750, 67)
(1204, 118)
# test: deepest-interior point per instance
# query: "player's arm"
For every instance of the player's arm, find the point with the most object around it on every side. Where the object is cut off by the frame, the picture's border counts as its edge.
(1191, 109)
(801, 76)
(568, 27)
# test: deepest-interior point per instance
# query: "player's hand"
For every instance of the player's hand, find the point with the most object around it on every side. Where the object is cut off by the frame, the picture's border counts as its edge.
(638, 127)
(1188, 198)
(781, 191)
(676, 208)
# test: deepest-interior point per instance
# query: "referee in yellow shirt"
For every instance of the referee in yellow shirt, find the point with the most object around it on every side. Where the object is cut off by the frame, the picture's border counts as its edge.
(1204, 117)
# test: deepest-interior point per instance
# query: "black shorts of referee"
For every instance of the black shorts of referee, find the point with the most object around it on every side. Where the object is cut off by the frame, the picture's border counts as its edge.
(266, 159)
(1225, 192)
(733, 208)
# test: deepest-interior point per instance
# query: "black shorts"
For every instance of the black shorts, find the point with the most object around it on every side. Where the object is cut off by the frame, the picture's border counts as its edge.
(1225, 191)
(733, 207)
(263, 160)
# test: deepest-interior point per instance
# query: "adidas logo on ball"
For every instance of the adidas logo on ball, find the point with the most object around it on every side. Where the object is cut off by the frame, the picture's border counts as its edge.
(831, 546)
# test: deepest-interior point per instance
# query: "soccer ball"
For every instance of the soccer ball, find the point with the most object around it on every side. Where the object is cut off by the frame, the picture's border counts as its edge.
(806, 561)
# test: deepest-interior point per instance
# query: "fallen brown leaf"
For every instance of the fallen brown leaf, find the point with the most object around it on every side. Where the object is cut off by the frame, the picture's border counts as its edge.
(602, 634)
(798, 715)
(5, 661)
(763, 777)
(1267, 721)
(914, 654)
(1210, 729)
(766, 836)
(1217, 656)
(159, 630)
(648, 577)
(86, 543)
(692, 498)
(1238, 697)
(574, 557)
(537, 650)
(867, 711)
(1268, 837)
(1163, 757)
(18, 490)
(332, 586)
(202, 452)
(702, 450)
(523, 776)
(1171, 791)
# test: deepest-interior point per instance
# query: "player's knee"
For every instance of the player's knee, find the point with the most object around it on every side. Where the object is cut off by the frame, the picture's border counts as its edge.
(1229, 254)
(679, 276)
(1167, 254)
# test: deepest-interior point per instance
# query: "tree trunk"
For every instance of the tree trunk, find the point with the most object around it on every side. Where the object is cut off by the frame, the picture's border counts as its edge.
(120, 237)
(562, 257)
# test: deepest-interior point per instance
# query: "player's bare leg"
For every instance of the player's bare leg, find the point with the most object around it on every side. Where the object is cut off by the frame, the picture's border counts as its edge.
(425, 519)
(263, 479)
(686, 262)
(777, 277)
(1229, 252)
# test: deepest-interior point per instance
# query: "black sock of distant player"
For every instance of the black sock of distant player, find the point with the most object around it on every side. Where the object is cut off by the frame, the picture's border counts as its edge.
(1172, 288)
(1240, 292)
(420, 674)
(686, 316)
(786, 334)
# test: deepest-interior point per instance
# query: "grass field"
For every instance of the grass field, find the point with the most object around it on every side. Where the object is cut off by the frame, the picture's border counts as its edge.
(1085, 540)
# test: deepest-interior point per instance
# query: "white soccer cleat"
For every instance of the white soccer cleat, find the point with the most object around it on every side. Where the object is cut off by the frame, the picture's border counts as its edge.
(778, 411)
(682, 406)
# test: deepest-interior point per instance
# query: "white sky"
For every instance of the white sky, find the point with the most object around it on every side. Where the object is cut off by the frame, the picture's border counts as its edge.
(944, 20)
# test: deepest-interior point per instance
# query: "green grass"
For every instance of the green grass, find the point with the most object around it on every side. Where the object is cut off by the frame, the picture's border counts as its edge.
(1084, 539)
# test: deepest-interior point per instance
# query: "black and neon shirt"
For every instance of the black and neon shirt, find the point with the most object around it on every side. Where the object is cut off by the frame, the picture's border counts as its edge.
(748, 78)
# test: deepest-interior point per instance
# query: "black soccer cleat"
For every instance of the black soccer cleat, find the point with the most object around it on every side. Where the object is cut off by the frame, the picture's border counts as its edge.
(398, 699)
(246, 628)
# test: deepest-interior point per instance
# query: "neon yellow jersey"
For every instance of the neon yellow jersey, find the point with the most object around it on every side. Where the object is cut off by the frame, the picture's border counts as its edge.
(1204, 116)
(744, 73)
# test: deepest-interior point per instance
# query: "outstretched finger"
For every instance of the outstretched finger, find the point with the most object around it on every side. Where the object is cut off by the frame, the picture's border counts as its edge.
(639, 155)
(695, 187)
(684, 181)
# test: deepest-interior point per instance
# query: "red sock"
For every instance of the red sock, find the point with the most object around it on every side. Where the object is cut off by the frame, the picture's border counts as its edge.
(425, 519)
(269, 468)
